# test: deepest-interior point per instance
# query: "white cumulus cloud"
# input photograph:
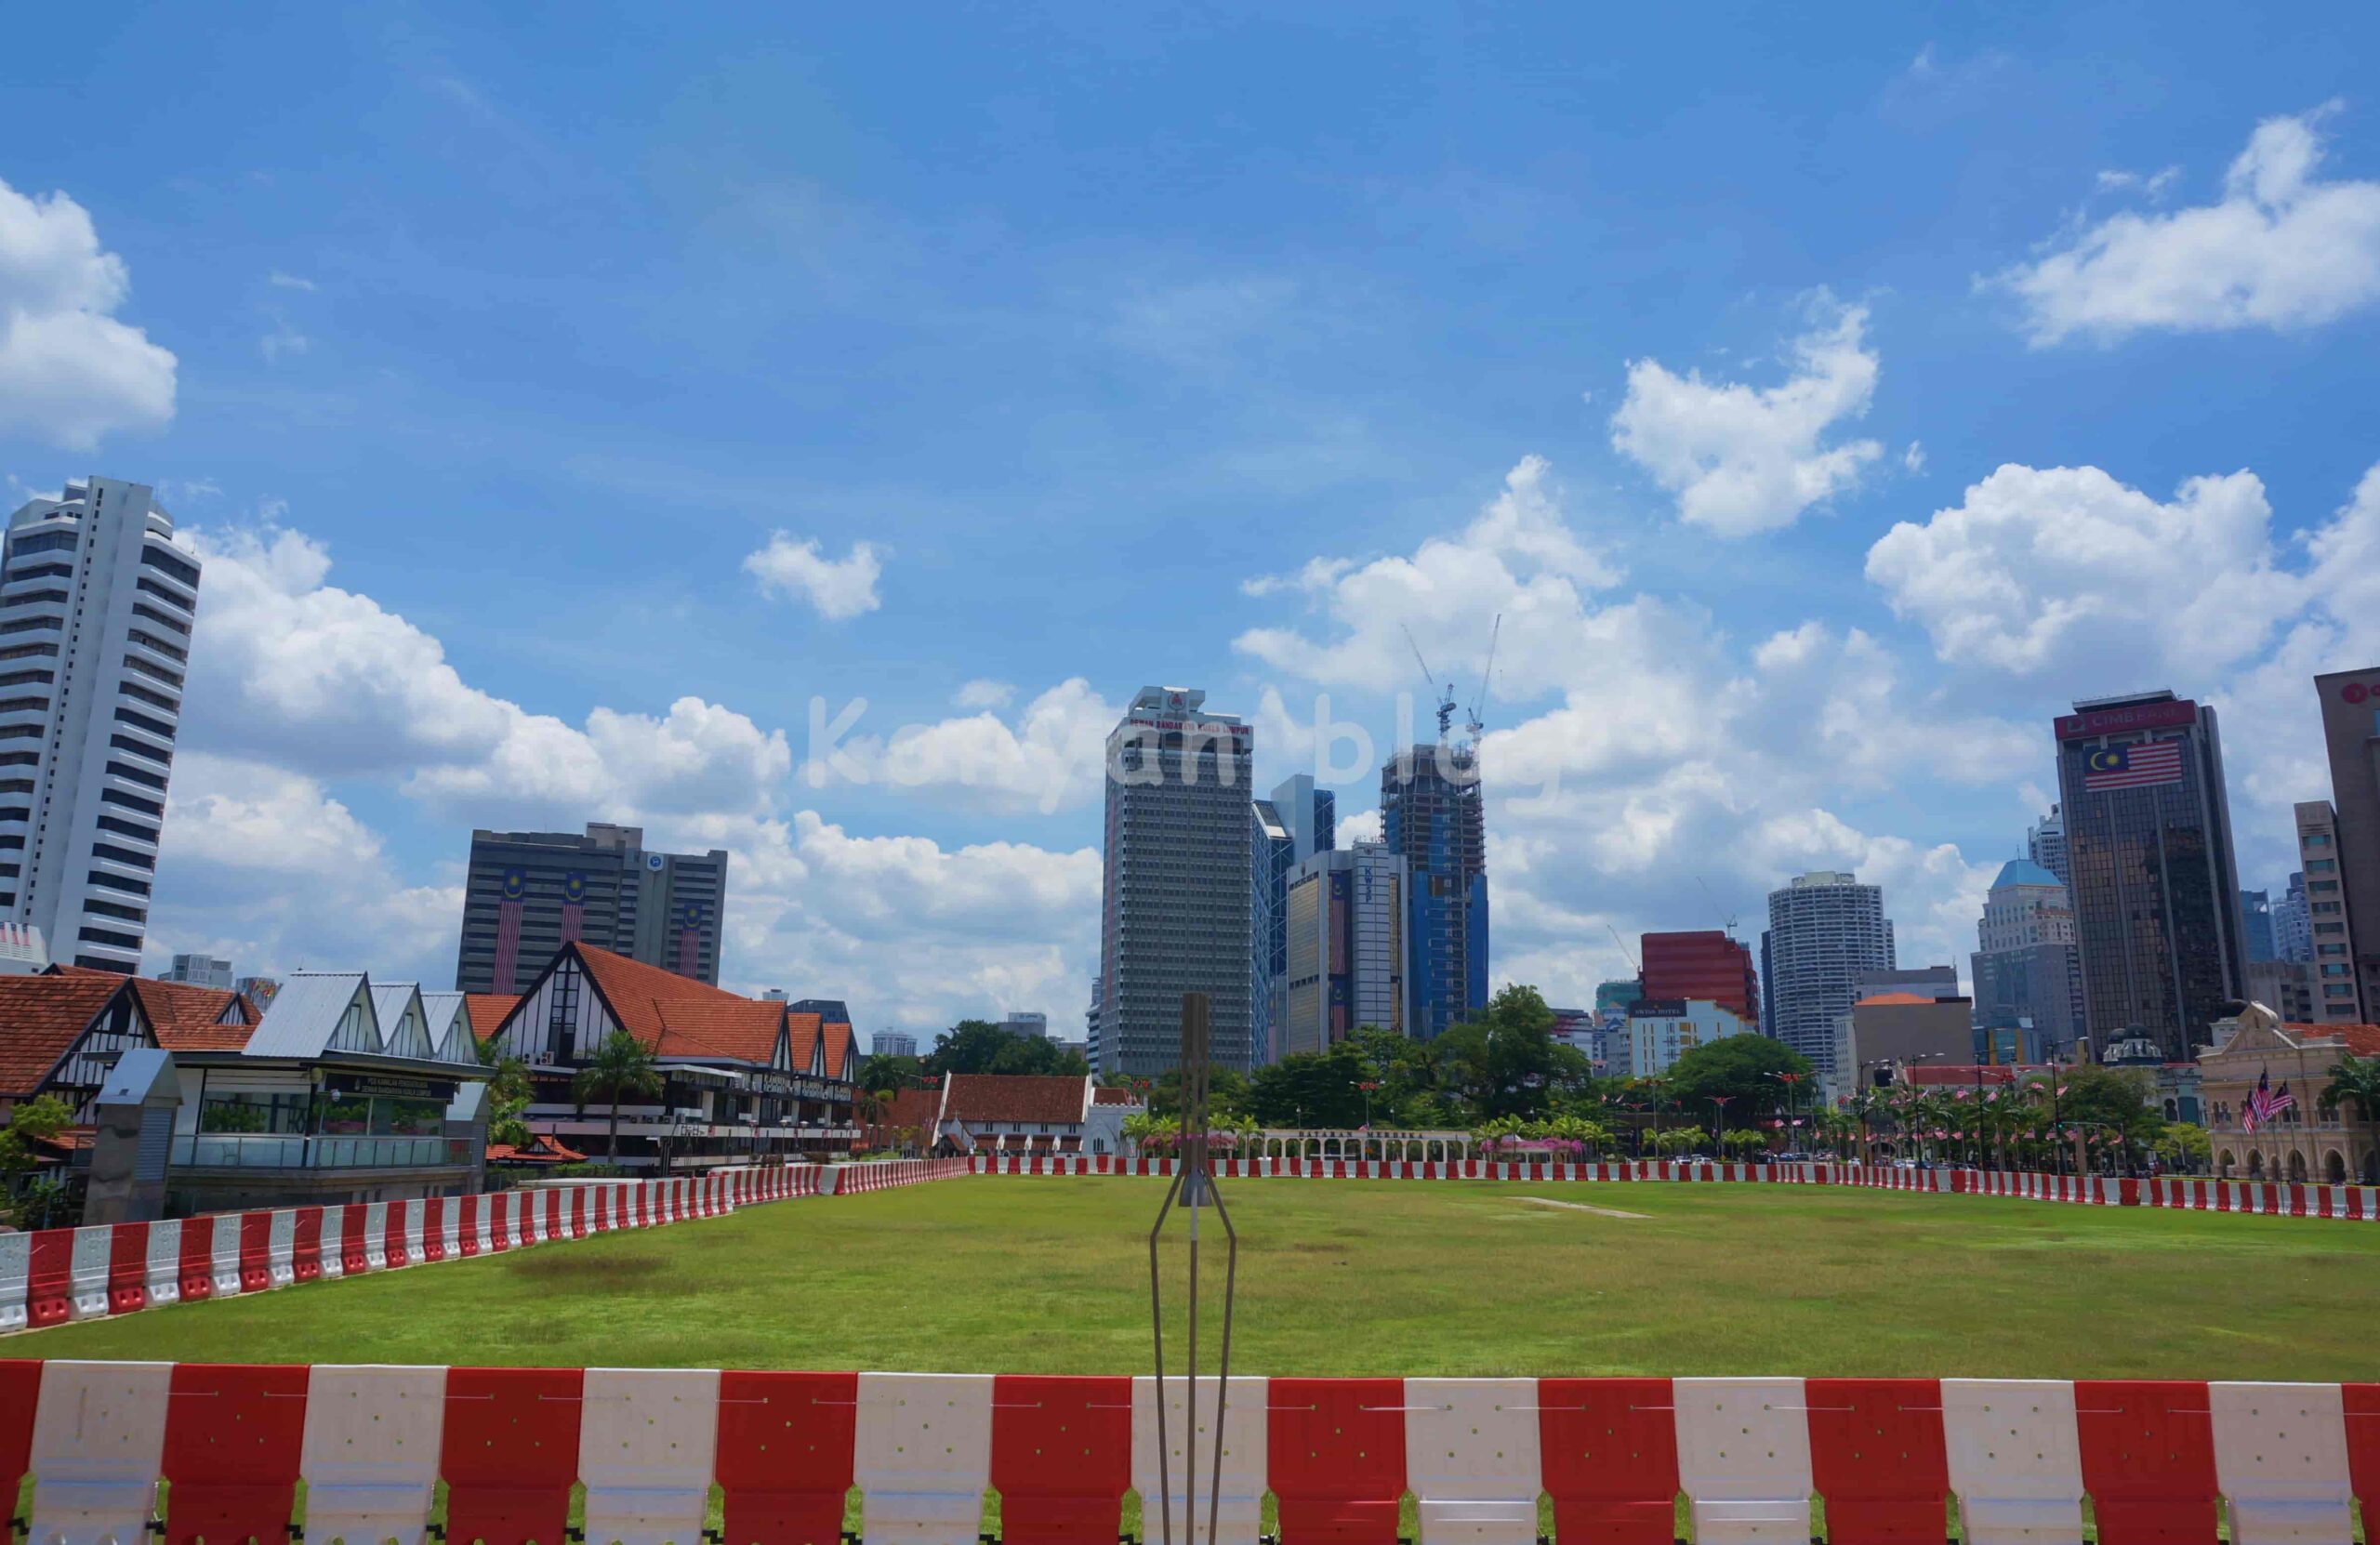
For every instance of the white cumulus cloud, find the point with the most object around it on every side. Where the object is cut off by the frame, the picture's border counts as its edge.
(1744, 459)
(839, 588)
(2281, 248)
(70, 372)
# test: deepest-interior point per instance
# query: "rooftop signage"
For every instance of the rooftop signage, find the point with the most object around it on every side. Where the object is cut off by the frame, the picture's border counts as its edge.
(2136, 716)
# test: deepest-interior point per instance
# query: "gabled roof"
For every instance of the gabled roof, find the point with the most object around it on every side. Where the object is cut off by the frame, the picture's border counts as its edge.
(676, 1016)
(187, 1017)
(306, 1013)
(41, 1017)
(801, 1042)
(839, 1038)
(1058, 1099)
(404, 1022)
(450, 1028)
(489, 1010)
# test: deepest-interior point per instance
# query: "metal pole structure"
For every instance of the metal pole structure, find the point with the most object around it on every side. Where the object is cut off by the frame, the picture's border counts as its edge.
(1194, 1186)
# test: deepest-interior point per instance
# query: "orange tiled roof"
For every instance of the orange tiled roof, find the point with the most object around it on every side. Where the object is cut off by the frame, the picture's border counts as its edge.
(1053, 1098)
(2363, 1040)
(186, 1016)
(41, 1016)
(1895, 999)
(487, 1011)
(544, 1148)
(1113, 1097)
(838, 1047)
(677, 1016)
(801, 1039)
(916, 1107)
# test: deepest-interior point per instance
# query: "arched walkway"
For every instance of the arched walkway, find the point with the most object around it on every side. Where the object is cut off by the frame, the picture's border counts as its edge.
(2224, 1163)
(2297, 1165)
(2334, 1167)
(2255, 1166)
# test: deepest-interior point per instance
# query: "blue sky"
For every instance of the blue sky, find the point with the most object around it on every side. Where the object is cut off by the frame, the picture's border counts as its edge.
(567, 400)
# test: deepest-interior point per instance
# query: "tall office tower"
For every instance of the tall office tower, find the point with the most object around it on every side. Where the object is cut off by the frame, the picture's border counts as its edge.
(1090, 1024)
(2046, 844)
(1710, 965)
(1296, 823)
(2351, 733)
(1028, 1023)
(1177, 910)
(2154, 889)
(1347, 966)
(1430, 814)
(2024, 965)
(94, 616)
(200, 970)
(2331, 917)
(891, 1043)
(1271, 852)
(2255, 924)
(2293, 929)
(1826, 933)
(529, 893)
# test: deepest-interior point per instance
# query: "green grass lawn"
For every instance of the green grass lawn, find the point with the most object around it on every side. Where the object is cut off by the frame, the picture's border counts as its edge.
(1360, 1277)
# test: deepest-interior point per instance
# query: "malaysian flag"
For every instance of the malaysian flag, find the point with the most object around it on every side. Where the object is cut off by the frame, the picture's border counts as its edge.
(2152, 761)
(2263, 1103)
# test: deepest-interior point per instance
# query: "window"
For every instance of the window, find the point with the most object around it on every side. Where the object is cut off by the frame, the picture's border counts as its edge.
(142, 608)
(151, 640)
(101, 936)
(28, 678)
(161, 592)
(141, 694)
(28, 598)
(2314, 840)
(121, 882)
(122, 828)
(110, 909)
(125, 770)
(31, 625)
(166, 562)
(141, 748)
(45, 541)
(142, 721)
(22, 705)
(2321, 866)
(122, 856)
(154, 672)
(30, 651)
(39, 570)
(132, 801)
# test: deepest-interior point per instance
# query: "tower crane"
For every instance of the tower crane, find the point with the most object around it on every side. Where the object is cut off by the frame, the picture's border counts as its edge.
(1481, 701)
(1444, 700)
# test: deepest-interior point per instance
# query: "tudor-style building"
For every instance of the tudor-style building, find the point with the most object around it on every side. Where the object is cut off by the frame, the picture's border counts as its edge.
(742, 1077)
(61, 1034)
(2304, 1142)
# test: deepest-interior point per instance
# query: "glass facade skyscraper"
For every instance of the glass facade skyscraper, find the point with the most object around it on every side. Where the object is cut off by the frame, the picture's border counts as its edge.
(1431, 816)
(2154, 889)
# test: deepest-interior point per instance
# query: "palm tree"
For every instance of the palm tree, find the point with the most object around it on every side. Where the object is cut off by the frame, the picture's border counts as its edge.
(2354, 1080)
(621, 1068)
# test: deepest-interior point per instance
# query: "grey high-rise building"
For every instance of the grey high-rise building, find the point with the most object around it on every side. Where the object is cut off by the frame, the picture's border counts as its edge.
(2255, 924)
(1346, 968)
(529, 893)
(2334, 927)
(2046, 844)
(2024, 965)
(200, 970)
(96, 604)
(1296, 823)
(1178, 886)
(1826, 934)
(2293, 926)
(2351, 734)
(1431, 816)
(2154, 889)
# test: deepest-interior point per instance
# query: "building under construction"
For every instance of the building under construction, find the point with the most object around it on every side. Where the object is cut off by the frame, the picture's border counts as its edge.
(1430, 806)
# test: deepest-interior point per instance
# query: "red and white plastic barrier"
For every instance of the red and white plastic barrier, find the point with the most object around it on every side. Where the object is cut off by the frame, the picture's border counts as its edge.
(2157, 1461)
(53, 1276)
(2290, 1199)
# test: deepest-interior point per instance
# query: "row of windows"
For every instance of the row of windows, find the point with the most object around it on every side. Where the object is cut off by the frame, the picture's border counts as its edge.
(22, 705)
(32, 625)
(110, 909)
(31, 596)
(30, 651)
(154, 699)
(121, 882)
(122, 856)
(142, 722)
(151, 640)
(19, 732)
(45, 541)
(102, 936)
(142, 608)
(125, 770)
(142, 749)
(28, 678)
(180, 568)
(39, 570)
(132, 801)
(154, 672)
(122, 828)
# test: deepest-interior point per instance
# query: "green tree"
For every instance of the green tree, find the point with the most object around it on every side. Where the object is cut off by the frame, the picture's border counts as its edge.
(622, 1069)
(1679, 1140)
(2185, 1146)
(1308, 1089)
(1744, 1070)
(34, 1119)
(887, 1071)
(2354, 1081)
(979, 1046)
(1505, 1062)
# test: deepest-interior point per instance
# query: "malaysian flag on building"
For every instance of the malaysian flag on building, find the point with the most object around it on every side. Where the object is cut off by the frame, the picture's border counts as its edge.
(2138, 766)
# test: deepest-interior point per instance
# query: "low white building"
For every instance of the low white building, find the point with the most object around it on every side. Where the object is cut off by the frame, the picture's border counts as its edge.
(1663, 1030)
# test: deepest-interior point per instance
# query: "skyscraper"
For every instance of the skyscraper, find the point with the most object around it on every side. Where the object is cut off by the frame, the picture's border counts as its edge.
(1826, 931)
(2155, 893)
(2293, 931)
(2046, 844)
(529, 893)
(2332, 923)
(200, 970)
(1709, 965)
(1296, 823)
(2255, 924)
(2024, 965)
(1177, 911)
(94, 632)
(1430, 816)
(1347, 956)
(2351, 734)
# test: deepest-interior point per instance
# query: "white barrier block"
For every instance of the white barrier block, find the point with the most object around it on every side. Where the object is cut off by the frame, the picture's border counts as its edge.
(375, 1237)
(923, 1454)
(16, 1278)
(98, 1444)
(333, 1239)
(1239, 1508)
(225, 1263)
(2280, 1462)
(281, 1247)
(1471, 1459)
(371, 1452)
(1743, 1460)
(2015, 1461)
(645, 1443)
(163, 1273)
(86, 1272)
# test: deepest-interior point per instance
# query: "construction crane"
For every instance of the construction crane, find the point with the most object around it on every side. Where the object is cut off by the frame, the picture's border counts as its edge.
(1481, 701)
(1623, 949)
(1728, 919)
(1444, 700)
